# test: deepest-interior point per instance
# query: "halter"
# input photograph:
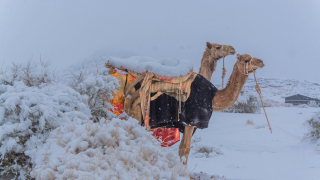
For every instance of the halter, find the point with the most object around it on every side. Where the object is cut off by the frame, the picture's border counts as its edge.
(245, 67)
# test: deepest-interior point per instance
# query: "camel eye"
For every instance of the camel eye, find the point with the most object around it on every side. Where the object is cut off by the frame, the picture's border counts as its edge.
(219, 47)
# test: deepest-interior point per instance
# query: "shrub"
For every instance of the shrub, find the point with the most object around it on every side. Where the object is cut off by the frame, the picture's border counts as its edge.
(95, 86)
(31, 105)
(203, 151)
(200, 150)
(251, 105)
(314, 128)
(249, 123)
(204, 176)
(272, 103)
(47, 126)
(302, 106)
(313, 104)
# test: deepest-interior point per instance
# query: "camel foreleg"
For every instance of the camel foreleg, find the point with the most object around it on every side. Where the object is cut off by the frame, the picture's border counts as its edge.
(185, 144)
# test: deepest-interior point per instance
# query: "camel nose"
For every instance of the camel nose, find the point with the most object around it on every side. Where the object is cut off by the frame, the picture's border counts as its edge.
(232, 51)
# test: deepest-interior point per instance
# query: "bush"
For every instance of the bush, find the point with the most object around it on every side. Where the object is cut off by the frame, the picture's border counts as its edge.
(31, 105)
(46, 126)
(314, 128)
(204, 176)
(251, 105)
(200, 150)
(95, 86)
(272, 103)
(313, 104)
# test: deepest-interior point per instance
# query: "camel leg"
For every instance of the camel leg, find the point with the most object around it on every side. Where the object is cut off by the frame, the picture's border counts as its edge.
(184, 147)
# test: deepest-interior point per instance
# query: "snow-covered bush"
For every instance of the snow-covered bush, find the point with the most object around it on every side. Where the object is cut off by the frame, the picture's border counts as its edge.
(302, 106)
(314, 129)
(46, 128)
(199, 150)
(272, 103)
(115, 149)
(31, 74)
(96, 87)
(205, 176)
(31, 105)
(313, 104)
(251, 105)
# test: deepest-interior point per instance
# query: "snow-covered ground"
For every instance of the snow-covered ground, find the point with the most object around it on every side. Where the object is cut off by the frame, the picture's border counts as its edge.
(247, 152)
(234, 147)
(276, 89)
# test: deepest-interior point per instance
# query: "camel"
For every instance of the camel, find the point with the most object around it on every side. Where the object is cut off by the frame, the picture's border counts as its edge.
(200, 104)
(224, 98)
(211, 55)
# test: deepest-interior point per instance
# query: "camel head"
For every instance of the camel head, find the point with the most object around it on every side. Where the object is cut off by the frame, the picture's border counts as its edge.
(218, 51)
(248, 64)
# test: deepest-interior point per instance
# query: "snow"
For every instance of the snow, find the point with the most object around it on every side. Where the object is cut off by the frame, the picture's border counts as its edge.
(117, 149)
(164, 67)
(276, 89)
(252, 152)
(64, 142)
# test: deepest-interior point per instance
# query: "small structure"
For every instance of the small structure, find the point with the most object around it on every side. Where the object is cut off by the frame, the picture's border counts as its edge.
(300, 99)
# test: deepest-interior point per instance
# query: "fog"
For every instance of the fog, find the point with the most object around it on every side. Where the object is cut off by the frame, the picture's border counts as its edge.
(284, 34)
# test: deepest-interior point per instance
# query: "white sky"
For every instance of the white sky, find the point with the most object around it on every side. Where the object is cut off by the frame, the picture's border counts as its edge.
(284, 34)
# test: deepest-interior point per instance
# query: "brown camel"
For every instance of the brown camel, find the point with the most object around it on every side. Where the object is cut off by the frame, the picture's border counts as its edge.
(204, 98)
(226, 97)
(211, 55)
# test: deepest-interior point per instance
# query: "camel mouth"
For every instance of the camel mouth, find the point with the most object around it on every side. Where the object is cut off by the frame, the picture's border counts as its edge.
(260, 64)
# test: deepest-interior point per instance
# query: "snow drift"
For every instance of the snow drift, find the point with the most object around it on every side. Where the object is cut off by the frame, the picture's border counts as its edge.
(47, 129)
(116, 149)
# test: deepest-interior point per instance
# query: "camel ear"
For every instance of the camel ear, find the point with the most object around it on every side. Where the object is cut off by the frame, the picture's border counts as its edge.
(209, 45)
(238, 56)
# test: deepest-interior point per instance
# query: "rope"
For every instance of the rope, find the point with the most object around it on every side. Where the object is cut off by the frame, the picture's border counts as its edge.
(259, 92)
(180, 92)
(224, 72)
(246, 72)
(145, 98)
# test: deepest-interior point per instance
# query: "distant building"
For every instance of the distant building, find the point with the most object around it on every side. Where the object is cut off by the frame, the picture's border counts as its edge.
(300, 99)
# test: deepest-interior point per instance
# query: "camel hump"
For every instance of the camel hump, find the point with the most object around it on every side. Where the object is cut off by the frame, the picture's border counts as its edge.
(166, 67)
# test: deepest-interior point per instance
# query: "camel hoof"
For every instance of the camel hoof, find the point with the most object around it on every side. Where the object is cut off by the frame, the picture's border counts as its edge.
(184, 160)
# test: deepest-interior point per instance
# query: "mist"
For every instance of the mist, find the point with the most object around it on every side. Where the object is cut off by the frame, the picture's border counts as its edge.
(284, 34)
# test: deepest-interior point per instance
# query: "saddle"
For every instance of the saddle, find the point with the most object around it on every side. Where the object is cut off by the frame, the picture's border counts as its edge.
(136, 102)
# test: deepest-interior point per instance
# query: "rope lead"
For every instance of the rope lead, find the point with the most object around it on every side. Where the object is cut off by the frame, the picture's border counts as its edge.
(259, 92)
(224, 72)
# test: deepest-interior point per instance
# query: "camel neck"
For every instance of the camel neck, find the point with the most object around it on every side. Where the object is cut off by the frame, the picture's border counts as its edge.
(237, 79)
(226, 97)
(208, 65)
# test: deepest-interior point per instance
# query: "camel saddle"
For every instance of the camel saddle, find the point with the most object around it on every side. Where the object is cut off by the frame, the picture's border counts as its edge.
(138, 89)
